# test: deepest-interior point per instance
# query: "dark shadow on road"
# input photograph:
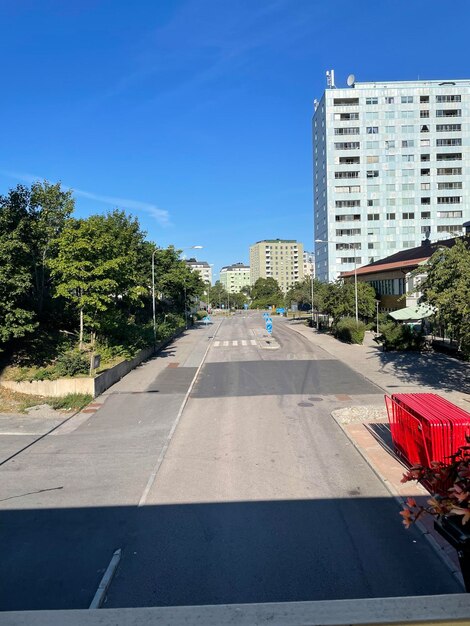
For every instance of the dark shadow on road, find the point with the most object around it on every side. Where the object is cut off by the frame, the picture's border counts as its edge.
(381, 433)
(211, 553)
(427, 369)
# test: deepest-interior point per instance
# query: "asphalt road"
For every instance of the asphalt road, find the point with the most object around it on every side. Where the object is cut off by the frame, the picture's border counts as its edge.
(259, 498)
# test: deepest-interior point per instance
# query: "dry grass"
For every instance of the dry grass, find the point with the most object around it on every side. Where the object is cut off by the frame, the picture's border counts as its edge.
(13, 402)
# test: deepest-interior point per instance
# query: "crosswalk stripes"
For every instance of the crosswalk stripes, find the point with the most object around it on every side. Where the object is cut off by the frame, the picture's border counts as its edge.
(234, 343)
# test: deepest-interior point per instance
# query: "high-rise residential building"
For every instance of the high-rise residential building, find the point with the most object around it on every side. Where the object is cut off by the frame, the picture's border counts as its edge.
(391, 167)
(202, 267)
(234, 277)
(309, 264)
(281, 259)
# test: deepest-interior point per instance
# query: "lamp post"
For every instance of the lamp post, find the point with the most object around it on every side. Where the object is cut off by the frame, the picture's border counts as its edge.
(355, 275)
(153, 291)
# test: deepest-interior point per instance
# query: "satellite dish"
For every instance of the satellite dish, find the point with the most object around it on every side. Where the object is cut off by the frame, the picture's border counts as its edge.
(351, 80)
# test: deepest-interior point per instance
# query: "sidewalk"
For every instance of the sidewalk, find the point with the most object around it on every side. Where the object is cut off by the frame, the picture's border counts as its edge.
(367, 427)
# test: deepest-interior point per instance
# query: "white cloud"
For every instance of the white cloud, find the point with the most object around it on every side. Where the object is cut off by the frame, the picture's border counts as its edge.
(160, 215)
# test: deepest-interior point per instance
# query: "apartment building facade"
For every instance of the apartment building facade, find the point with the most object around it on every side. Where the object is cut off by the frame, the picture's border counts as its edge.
(281, 259)
(234, 277)
(202, 267)
(391, 168)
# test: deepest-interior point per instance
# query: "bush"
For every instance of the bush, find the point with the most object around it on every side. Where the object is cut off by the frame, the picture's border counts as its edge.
(72, 401)
(72, 363)
(396, 336)
(350, 331)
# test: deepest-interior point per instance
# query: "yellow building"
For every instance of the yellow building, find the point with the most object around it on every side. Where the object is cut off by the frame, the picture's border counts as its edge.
(281, 259)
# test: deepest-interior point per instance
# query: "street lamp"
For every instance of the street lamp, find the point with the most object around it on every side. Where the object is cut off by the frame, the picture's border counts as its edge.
(355, 274)
(153, 291)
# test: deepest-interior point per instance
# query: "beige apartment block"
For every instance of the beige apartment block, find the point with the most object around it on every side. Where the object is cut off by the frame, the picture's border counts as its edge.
(202, 267)
(281, 259)
(234, 277)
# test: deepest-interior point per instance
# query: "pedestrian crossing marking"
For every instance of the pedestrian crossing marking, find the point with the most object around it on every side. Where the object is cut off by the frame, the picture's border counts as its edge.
(235, 343)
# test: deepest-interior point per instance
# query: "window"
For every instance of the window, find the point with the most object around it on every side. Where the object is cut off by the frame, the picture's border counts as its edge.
(372, 159)
(371, 230)
(371, 115)
(425, 172)
(391, 201)
(425, 215)
(347, 145)
(408, 143)
(406, 99)
(408, 230)
(424, 129)
(391, 216)
(346, 116)
(449, 171)
(450, 228)
(423, 99)
(426, 200)
(408, 244)
(407, 114)
(390, 230)
(448, 128)
(373, 188)
(373, 217)
(449, 199)
(424, 113)
(349, 160)
(389, 115)
(408, 201)
(407, 129)
(425, 186)
(425, 157)
(347, 232)
(456, 185)
(408, 216)
(372, 130)
(425, 143)
(341, 102)
(350, 259)
(449, 113)
(346, 174)
(372, 173)
(449, 98)
(407, 173)
(340, 204)
(390, 186)
(372, 100)
(348, 189)
(390, 143)
(449, 156)
(372, 203)
(348, 246)
(389, 99)
(372, 145)
(390, 173)
(407, 158)
(353, 130)
(447, 214)
(408, 187)
(457, 141)
(348, 218)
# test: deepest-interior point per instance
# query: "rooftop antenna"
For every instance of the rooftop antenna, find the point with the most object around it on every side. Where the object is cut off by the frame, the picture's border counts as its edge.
(351, 80)
(330, 79)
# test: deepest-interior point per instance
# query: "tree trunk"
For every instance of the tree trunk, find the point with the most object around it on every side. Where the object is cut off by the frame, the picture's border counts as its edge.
(80, 340)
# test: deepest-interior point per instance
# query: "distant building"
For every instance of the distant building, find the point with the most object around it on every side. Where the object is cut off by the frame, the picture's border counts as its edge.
(281, 259)
(391, 163)
(309, 264)
(234, 277)
(202, 267)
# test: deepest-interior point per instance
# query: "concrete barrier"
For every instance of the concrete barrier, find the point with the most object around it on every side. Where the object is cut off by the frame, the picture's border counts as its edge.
(93, 386)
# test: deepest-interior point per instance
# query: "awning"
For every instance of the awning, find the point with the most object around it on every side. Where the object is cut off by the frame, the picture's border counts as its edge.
(413, 313)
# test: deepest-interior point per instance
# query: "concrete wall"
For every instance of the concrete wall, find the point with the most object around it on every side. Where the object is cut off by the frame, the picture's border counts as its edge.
(93, 386)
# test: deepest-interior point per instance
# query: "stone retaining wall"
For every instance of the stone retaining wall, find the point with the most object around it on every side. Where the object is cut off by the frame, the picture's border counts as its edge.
(93, 386)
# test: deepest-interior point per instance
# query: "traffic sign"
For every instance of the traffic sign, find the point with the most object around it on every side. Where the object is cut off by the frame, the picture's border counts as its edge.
(245, 306)
(269, 326)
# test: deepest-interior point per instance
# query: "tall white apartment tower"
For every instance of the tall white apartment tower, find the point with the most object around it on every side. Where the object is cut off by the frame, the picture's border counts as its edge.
(391, 167)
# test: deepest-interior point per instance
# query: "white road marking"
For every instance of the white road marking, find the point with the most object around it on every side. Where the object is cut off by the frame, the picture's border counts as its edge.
(106, 581)
(225, 344)
(234, 342)
(244, 342)
(216, 344)
(253, 342)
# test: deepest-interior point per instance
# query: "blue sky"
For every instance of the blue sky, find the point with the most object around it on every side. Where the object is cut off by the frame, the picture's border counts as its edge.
(195, 115)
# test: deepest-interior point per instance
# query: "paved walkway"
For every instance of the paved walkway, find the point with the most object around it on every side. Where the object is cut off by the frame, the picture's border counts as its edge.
(395, 372)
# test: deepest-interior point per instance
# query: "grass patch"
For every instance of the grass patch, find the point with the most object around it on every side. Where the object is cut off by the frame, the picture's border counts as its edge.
(71, 402)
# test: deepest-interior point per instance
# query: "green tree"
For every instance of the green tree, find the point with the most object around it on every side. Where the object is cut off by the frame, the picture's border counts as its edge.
(446, 287)
(17, 318)
(50, 207)
(238, 300)
(266, 292)
(340, 300)
(219, 296)
(301, 293)
(177, 284)
(97, 267)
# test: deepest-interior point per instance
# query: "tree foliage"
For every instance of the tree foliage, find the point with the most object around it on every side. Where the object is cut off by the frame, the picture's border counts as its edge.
(266, 292)
(446, 287)
(301, 293)
(340, 300)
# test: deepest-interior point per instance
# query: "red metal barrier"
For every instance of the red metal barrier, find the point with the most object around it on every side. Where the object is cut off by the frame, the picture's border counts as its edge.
(426, 427)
